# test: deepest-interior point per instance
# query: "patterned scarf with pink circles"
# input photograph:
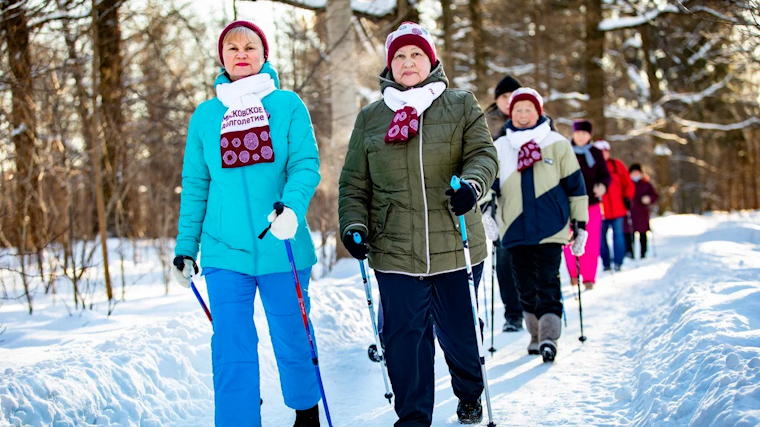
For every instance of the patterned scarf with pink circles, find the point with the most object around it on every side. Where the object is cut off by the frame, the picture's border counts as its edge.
(245, 135)
(529, 154)
(409, 105)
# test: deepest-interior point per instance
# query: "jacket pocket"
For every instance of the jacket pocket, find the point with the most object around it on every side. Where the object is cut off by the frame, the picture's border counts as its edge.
(378, 220)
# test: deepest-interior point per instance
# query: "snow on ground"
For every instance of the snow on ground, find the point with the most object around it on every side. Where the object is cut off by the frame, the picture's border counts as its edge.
(673, 340)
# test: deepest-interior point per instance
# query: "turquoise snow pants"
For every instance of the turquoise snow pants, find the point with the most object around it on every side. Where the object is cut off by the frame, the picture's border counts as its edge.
(234, 352)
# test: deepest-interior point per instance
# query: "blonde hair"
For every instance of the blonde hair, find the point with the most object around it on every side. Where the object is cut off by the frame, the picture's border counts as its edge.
(244, 32)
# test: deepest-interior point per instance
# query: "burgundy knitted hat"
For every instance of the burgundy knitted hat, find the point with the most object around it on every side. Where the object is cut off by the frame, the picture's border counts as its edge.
(527, 94)
(583, 125)
(410, 33)
(250, 25)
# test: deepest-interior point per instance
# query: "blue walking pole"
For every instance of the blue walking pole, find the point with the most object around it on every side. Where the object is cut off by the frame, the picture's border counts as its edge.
(279, 206)
(456, 185)
(200, 300)
(180, 264)
(380, 353)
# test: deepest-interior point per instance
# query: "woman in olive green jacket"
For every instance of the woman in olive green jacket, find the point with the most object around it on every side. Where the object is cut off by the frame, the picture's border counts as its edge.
(395, 193)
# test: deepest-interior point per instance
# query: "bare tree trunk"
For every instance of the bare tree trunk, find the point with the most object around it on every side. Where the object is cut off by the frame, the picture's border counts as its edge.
(753, 172)
(97, 154)
(70, 232)
(447, 23)
(24, 136)
(111, 90)
(548, 43)
(340, 39)
(647, 47)
(479, 52)
(406, 11)
(662, 164)
(592, 63)
(92, 137)
(536, 10)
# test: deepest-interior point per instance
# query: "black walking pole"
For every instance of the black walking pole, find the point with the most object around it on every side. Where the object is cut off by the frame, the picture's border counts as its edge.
(582, 338)
(493, 285)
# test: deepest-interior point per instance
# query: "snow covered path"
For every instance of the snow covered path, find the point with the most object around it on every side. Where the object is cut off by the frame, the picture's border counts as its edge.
(673, 340)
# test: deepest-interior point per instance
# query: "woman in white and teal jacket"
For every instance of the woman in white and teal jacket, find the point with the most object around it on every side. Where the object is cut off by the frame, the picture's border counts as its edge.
(251, 146)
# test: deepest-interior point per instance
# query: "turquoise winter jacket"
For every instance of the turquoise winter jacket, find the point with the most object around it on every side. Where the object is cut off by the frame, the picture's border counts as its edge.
(224, 210)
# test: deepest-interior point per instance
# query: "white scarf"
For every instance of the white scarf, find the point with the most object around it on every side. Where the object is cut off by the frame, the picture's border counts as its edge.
(418, 98)
(245, 135)
(508, 146)
(241, 91)
(521, 137)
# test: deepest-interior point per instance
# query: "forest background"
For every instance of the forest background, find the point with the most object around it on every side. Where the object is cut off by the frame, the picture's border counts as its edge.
(96, 95)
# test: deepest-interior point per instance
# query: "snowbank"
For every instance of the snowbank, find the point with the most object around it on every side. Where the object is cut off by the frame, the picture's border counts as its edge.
(699, 359)
(673, 340)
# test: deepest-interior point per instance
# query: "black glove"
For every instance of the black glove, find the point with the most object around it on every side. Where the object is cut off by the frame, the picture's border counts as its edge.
(575, 225)
(179, 262)
(496, 187)
(627, 203)
(462, 200)
(357, 250)
(491, 204)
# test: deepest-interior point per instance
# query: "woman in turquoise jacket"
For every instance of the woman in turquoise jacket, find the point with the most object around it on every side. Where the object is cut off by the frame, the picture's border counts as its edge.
(251, 146)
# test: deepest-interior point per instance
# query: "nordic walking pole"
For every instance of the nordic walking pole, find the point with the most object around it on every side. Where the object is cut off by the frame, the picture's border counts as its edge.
(180, 266)
(485, 302)
(278, 207)
(493, 285)
(456, 185)
(368, 291)
(633, 236)
(582, 338)
(200, 300)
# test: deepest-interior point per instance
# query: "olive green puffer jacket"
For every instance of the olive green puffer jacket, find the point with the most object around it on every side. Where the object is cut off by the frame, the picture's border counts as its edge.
(395, 192)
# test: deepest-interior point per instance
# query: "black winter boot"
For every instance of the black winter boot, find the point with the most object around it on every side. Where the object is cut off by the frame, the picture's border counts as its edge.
(513, 324)
(470, 412)
(307, 417)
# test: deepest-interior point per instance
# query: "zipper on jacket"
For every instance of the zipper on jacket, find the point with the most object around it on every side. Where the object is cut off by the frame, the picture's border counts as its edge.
(424, 200)
(250, 219)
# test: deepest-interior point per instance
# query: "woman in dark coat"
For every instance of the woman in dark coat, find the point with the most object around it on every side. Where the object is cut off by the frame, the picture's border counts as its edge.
(644, 197)
(597, 179)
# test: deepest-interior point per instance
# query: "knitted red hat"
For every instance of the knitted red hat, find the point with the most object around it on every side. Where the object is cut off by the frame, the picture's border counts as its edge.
(527, 94)
(410, 33)
(250, 25)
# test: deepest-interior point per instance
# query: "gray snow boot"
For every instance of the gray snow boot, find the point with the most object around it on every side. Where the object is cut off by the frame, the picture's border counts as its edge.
(549, 329)
(531, 323)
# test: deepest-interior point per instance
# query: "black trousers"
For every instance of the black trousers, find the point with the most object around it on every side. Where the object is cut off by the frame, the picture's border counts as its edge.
(507, 286)
(536, 271)
(642, 242)
(411, 306)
